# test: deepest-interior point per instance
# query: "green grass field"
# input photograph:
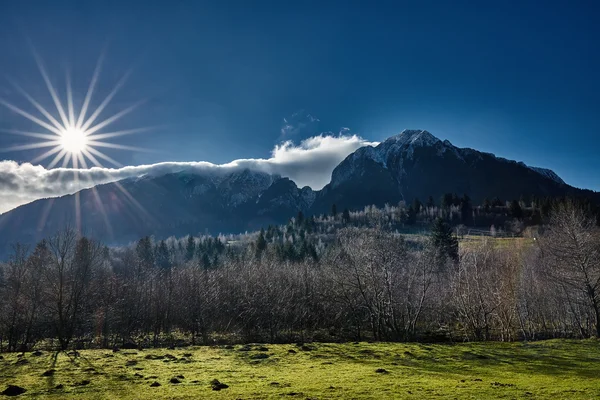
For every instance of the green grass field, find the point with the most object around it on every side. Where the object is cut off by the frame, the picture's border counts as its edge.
(555, 369)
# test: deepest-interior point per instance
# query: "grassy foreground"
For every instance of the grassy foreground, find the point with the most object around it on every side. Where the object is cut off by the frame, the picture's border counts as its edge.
(555, 369)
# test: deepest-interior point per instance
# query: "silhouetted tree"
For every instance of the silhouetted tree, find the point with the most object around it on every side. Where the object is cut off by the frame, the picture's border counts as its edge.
(466, 210)
(300, 218)
(444, 240)
(346, 216)
(515, 210)
(416, 205)
(190, 248)
(261, 243)
(430, 202)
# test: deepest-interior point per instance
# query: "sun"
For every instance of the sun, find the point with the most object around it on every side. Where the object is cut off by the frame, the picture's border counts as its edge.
(74, 140)
(73, 137)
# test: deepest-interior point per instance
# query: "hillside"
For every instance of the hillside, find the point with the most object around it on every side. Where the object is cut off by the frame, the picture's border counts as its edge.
(412, 164)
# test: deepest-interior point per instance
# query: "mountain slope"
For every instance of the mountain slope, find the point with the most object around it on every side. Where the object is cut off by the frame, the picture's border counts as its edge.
(416, 164)
(412, 164)
(172, 204)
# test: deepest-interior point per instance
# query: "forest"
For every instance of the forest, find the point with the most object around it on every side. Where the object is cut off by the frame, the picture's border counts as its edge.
(341, 277)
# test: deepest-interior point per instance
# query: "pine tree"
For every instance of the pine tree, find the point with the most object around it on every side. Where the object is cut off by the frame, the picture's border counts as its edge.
(205, 261)
(300, 219)
(416, 205)
(487, 205)
(334, 211)
(515, 210)
(261, 243)
(144, 253)
(446, 200)
(430, 202)
(444, 240)
(346, 216)
(163, 259)
(466, 210)
(411, 216)
(190, 248)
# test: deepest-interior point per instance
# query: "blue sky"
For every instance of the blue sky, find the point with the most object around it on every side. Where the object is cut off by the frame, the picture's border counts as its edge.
(514, 78)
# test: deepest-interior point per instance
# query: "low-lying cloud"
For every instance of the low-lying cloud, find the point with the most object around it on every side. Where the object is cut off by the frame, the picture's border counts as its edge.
(308, 164)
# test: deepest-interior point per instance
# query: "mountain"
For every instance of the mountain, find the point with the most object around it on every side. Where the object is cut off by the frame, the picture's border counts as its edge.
(172, 204)
(412, 164)
(416, 164)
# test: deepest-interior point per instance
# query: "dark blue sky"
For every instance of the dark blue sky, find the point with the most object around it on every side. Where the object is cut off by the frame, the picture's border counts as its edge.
(519, 80)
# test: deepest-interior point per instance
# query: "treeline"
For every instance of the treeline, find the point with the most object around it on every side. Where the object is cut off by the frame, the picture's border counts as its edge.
(367, 283)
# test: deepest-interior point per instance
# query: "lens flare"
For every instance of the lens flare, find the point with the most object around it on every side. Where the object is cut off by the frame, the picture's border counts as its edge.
(74, 140)
(73, 137)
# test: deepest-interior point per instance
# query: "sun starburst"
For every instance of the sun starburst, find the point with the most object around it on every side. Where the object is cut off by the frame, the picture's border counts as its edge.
(73, 138)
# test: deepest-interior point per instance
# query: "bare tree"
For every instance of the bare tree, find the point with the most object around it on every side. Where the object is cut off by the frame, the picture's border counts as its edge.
(68, 278)
(571, 249)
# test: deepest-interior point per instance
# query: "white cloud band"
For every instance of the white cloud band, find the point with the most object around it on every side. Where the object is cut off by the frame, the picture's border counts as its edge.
(308, 164)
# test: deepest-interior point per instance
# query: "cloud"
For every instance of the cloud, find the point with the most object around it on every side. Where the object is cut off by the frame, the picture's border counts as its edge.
(309, 163)
(300, 124)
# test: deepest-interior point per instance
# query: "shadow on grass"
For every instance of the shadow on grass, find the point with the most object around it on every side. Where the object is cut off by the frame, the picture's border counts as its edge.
(563, 359)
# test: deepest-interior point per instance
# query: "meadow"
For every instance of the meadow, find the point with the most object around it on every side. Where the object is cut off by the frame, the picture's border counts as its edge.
(553, 369)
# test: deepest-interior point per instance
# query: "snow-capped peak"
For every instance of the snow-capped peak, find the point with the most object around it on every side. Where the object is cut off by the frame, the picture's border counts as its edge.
(413, 137)
(406, 141)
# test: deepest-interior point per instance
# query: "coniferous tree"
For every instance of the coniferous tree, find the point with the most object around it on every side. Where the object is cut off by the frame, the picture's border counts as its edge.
(145, 253)
(515, 210)
(411, 216)
(444, 240)
(205, 261)
(487, 205)
(300, 219)
(163, 259)
(261, 243)
(190, 248)
(430, 202)
(346, 216)
(466, 210)
(334, 211)
(446, 200)
(416, 205)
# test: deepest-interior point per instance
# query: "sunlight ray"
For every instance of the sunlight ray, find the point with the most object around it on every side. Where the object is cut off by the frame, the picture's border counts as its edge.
(107, 100)
(103, 156)
(124, 132)
(66, 159)
(30, 146)
(70, 100)
(117, 146)
(112, 119)
(90, 91)
(97, 163)
(30, 134)
(134, 202)
(45, 214)
(84, 164)
(82, 160)
(93, 159)
(77, 194)
(46, 155)
(37, 105)
(30, 117)
(55, 98)
(102, 211)
(57, 159)
(97, 198)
